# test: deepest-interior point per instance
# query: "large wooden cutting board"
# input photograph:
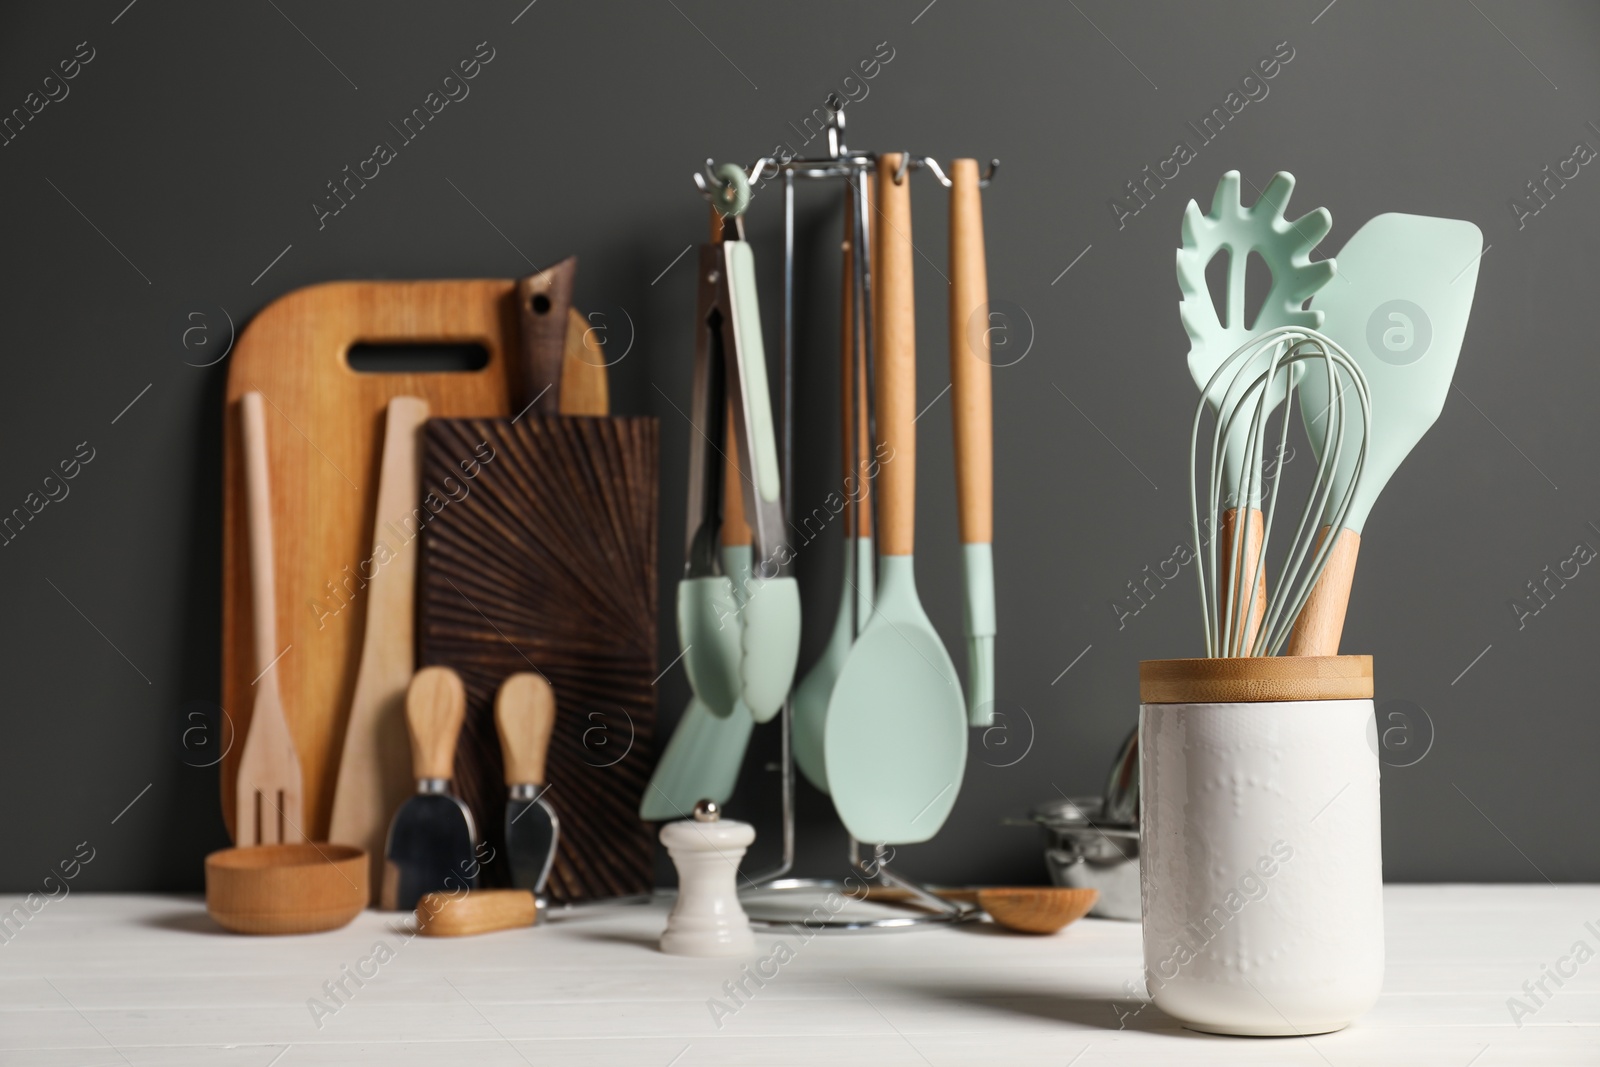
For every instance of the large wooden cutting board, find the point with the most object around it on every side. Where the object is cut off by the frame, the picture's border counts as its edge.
(324, 429)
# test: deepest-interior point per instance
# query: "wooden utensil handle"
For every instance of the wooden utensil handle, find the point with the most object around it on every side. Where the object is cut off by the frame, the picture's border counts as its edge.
(852, 385)
(970, 367)
(896, 361)
(735, 530)
(481, 911)
(543, 298)
(263, 591)
(436, 704)
(894, 894)
(1255, 530)
(525, 715)
(387, 631)
(1321, 621)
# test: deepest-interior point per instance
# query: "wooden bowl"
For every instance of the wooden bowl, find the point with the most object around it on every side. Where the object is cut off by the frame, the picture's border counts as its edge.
(286, 889)
(1036, 909)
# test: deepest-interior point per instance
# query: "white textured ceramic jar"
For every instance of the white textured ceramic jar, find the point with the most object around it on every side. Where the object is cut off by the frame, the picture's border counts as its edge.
(1262, 867)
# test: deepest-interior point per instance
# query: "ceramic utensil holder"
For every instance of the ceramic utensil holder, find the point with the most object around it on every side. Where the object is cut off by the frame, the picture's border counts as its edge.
(1261, 875)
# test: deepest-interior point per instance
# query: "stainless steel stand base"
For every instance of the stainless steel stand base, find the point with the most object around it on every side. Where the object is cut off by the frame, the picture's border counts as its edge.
(933, 911)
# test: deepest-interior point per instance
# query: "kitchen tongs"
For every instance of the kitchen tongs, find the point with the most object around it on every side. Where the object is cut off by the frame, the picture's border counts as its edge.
(730, 375)
(730, 365)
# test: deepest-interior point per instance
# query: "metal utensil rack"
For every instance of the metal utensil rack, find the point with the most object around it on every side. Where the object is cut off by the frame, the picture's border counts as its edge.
(855, 168)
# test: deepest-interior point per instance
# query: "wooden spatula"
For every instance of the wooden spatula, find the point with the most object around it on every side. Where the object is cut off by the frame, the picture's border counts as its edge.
(375, 763)
(270, 787)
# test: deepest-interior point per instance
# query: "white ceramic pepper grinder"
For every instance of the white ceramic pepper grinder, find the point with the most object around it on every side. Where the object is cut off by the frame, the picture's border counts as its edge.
(707, 919)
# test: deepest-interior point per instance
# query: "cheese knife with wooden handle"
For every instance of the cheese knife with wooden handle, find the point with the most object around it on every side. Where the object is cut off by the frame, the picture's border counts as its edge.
(525, 715)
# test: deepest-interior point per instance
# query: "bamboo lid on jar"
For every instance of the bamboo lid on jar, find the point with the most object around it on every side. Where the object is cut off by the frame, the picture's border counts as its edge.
(1253, 679)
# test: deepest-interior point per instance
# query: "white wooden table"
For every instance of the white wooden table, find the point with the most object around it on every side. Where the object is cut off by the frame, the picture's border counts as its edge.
(149, 980)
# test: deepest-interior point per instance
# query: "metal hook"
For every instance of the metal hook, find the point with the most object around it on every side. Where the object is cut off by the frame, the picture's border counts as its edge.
(701, 183)
(835, 108)
(758, 169)
(933, 165)
(907, 161)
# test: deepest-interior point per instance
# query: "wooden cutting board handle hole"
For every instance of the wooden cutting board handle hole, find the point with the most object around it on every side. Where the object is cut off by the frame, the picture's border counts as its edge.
(423, 357)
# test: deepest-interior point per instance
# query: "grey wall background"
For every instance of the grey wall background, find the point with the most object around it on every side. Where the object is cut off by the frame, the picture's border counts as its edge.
(176, 178)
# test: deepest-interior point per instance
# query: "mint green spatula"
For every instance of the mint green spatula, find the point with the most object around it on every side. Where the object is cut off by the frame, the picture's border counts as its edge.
(704, 756)
(972, 407)
(1402, 317)
(815, 690)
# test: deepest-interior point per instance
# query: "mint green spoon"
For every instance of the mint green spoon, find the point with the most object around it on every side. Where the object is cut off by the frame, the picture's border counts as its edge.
(1401, 312)
(895, 743)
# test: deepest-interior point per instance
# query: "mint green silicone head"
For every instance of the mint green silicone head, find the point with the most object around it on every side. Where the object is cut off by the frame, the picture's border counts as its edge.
(771, 615)
(977, 567)
(895, 742)
(703, 758)
(709, 634)
(769, 634)
(1285, 247)
(700, 762)
(753, 365)
(1400, 309)
(812, 695)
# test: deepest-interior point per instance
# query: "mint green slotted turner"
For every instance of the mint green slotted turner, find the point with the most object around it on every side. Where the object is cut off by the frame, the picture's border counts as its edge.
(1285, 247)
(1402, 316)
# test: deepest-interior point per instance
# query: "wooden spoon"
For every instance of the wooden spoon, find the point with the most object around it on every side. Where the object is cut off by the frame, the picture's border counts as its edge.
(1036, 909)
(1022, 909)
(895, 743)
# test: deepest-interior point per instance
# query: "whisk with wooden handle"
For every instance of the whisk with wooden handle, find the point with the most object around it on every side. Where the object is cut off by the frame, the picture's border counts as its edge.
(1255, 378)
